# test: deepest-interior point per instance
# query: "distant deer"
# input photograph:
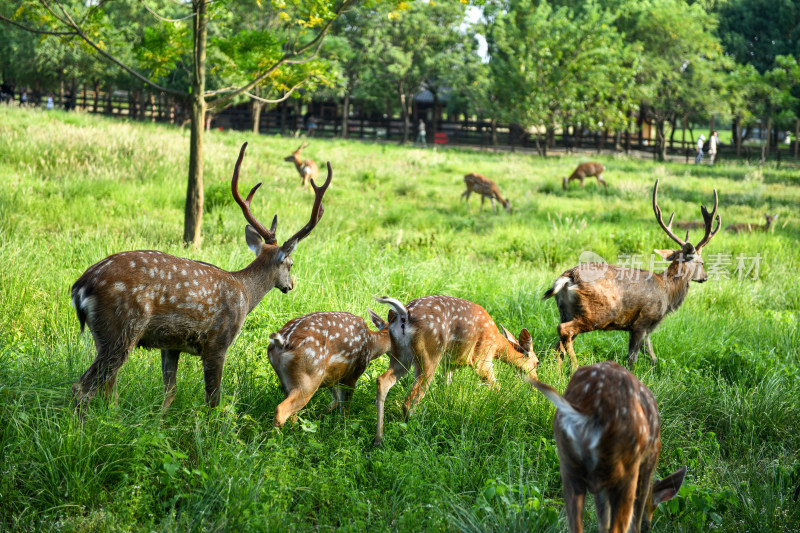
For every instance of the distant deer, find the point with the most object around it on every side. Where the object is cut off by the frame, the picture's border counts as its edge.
(306, 168)
(691, 224)
(595, 296)
(432, 326)
(608, 435)
(155, 300)
(586, 170)
(750, 228)
(323, 349)
(486, 188)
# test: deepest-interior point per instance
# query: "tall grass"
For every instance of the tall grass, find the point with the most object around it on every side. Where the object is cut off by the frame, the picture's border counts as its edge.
(74, 189)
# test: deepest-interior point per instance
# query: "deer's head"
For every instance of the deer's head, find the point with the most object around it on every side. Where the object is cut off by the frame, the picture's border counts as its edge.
(276, 259)
(688, 259)
(295, 156)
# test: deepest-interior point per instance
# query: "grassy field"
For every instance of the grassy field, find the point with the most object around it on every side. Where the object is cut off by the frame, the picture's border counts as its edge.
(74, 189)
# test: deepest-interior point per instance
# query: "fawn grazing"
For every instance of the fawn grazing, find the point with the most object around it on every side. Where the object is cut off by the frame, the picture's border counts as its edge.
(307, 169)
(486, 188)
(750, 228)
(430, 327)
(595, 296)
(155, 300)
(323, 349)
(608, 437)
(586, 170)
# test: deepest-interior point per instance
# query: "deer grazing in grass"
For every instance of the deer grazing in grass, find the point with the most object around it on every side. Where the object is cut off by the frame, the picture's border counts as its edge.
(595, 296)
(306, 168)
(155, 300)
(486, 188)
(323, 349)
(750, 228)
(586, 170)
(608, 435)
(430, 327)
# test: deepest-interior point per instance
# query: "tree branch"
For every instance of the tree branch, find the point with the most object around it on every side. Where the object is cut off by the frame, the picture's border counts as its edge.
(164, 19)
(34, 30)
(286, 59)
(69, 22)
(279, 100)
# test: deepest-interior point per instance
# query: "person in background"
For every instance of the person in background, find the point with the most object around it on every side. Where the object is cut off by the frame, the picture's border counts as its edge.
(713, 141)
(700, 141)
(50, 104)
(422, 137)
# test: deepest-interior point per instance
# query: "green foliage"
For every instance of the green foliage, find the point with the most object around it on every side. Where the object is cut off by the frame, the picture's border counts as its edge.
(471, 458)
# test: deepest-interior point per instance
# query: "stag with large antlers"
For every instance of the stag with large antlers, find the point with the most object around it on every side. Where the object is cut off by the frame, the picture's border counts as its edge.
(155, 300)
(306, 168)
(597, 296)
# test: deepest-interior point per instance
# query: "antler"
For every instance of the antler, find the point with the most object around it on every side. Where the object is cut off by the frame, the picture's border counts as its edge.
(267, 234)
(708, 219)
(668, 227)
(316, 214)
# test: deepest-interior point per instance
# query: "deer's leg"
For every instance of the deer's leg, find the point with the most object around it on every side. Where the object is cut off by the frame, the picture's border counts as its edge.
(169, 370)
(574, 497)
(336, 393)
(397, 369)
(346, 390)
(650, 351)
(465, 195)
(566, 332)
(483, 199)
(643, 491)
(582, 180)
(428, 356)
(600, 180)
(564, 183)
(102, 373)
(622, 501)
(295, 400)
(212, 374)
(635, 341)
(494, 208)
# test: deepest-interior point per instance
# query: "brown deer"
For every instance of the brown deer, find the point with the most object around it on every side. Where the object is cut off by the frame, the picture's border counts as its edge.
(691, 224)
(608, 435)
(323, 349)
(586, 170)
(486, 188)
(433, 326)
(750, 228)
(595, 296)
(307, 169)
(154, 300)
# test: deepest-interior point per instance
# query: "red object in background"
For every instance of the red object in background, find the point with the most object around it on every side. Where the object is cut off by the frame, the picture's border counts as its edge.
(440, 138)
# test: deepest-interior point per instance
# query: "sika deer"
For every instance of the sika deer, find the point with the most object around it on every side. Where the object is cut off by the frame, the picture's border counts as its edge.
(436, 325)
(596, 296)
(486, 188)
(750, 228)
(307, 169)
(155, 300)
(323, 349)
(608, 435)
(586, 170)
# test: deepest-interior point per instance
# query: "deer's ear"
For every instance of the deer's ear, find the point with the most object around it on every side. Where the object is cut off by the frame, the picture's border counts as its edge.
(376, 319)
(254, 240)
(666, 254)
(525, 340)
(667, 488)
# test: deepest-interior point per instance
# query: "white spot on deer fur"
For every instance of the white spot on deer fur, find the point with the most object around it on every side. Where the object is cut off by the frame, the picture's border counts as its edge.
(183, 271)
(169, 275)
(119, 286)
(172, 299)
(133, 264)
(174, 268)
(161, 300)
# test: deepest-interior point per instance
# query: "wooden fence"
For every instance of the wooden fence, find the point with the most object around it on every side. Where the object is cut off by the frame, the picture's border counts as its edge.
(285, 119)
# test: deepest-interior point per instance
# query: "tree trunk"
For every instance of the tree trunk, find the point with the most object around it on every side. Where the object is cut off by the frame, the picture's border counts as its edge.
(737, 134)
(683, 137)
(765, 146)
(494, 132)
(711, 126)
(406, 123)
(256, 112)
(193, 215)
(796, 134)
(661, 145)
(96, 96)
(346, 115)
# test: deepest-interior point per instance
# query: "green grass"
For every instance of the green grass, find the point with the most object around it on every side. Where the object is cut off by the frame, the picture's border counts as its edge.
(75, 188)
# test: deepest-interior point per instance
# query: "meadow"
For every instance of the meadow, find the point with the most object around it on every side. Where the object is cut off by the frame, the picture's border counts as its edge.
(76, 188)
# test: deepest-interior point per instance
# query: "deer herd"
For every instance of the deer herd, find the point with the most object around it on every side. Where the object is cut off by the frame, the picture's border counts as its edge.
(606, 425)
